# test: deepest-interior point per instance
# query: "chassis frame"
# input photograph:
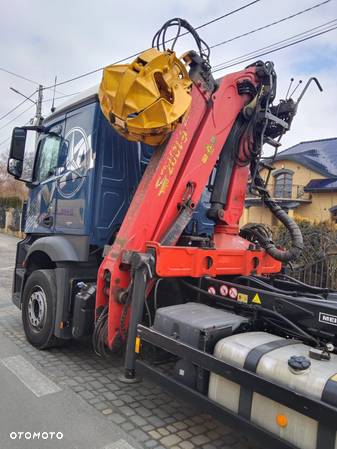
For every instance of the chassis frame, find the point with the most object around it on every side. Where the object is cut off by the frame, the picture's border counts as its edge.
(325, 413)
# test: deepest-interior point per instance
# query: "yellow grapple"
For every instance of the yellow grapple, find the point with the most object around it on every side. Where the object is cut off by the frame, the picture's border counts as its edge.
(146, 99)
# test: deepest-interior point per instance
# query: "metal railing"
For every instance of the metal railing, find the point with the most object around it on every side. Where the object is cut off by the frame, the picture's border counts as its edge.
(295, 193)
(321, 273)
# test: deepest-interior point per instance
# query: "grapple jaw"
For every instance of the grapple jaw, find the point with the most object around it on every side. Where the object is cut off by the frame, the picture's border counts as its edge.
(145, 100)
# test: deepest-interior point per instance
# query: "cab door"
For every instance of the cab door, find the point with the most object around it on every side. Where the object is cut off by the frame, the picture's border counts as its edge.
(41, 205)
(73, 214)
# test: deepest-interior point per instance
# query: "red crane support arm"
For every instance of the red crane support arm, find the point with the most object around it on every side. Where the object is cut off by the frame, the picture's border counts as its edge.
(176, 175)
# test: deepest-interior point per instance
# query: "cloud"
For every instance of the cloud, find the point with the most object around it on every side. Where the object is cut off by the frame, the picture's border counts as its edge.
(41, 39)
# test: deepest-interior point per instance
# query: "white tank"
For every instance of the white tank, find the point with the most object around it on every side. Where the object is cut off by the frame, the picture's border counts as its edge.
(299, 429)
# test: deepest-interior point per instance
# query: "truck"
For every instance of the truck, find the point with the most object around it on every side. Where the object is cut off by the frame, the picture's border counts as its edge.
(133, 238)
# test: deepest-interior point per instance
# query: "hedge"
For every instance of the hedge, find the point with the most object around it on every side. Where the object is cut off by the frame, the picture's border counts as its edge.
(11, 202)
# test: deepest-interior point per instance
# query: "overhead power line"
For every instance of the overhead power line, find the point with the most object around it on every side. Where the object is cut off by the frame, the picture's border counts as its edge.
(255, 54)
(29, 99)
(22, 95)
(18, 76)
(28, 109)
(169, 40)
(17, 106)
(10, 72)
(17, 116)
(284, 19)
(116, 62)
(216, 19)
(303, 33)
(8, 138)
(230, 63)
(199, 27)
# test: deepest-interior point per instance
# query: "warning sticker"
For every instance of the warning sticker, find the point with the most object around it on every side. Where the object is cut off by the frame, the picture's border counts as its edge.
(256, 299)
(242, 297)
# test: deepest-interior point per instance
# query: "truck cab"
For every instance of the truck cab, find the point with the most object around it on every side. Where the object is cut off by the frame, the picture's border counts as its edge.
(81, 177)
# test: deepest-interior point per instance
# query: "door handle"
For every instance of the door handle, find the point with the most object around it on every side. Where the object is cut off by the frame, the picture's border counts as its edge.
(48, 221)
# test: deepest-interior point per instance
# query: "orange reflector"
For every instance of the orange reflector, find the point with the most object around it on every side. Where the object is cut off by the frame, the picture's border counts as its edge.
(282, 420)
(137, 345)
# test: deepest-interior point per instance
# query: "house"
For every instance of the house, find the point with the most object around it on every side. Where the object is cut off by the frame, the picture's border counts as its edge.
(304, 183)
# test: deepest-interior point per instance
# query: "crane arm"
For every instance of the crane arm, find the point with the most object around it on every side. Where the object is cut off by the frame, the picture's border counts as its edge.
(199, 124)
(171, 188)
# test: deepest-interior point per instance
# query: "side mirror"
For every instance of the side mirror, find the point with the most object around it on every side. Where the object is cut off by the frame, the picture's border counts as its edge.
(17, 149)
(22, 152)
(17, 152)
(14, 167)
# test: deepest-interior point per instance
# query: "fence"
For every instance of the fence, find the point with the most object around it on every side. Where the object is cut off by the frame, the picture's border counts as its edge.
(10, 220)
(292, 192)
(321, 273)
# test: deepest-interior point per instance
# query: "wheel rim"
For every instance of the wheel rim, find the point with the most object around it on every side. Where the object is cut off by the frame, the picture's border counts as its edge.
(37, 308)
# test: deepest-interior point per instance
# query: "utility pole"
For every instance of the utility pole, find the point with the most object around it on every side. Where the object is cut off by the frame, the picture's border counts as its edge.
(38, 115)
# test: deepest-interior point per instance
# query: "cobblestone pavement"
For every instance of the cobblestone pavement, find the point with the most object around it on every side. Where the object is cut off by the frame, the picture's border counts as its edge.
(144, 410)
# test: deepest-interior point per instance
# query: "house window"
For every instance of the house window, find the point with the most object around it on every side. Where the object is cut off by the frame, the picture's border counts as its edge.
(283, 184)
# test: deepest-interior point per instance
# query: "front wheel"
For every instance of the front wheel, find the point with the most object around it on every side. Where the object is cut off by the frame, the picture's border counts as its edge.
(38, 309)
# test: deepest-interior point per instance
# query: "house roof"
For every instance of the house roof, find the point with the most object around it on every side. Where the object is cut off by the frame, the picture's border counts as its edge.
(322, 185)
(318, 155)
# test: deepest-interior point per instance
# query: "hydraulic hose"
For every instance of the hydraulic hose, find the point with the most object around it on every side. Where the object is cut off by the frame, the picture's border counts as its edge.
(259, 233)
(295, 234)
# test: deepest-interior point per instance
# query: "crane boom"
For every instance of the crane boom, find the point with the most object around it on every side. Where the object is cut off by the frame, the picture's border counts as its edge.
(171, 188)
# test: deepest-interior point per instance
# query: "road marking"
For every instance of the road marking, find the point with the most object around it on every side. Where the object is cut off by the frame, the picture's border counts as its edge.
(120, 444)
(7, 268)
(31, 377)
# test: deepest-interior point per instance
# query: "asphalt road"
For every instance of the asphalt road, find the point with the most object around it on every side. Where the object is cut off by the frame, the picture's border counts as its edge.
(71, 391)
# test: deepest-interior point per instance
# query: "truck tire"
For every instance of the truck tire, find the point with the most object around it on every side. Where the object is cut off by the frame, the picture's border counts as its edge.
(38, 309)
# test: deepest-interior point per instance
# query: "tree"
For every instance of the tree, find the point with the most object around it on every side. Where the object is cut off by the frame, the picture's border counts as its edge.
(9, 187)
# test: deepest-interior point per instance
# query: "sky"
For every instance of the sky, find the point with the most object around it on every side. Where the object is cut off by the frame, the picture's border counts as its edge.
(40, 40)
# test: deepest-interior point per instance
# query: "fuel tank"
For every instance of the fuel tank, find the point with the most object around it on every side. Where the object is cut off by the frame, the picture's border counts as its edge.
(287, 363)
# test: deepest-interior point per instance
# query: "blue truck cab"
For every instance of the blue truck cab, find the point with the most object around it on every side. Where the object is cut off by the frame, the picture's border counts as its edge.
(81, 177)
